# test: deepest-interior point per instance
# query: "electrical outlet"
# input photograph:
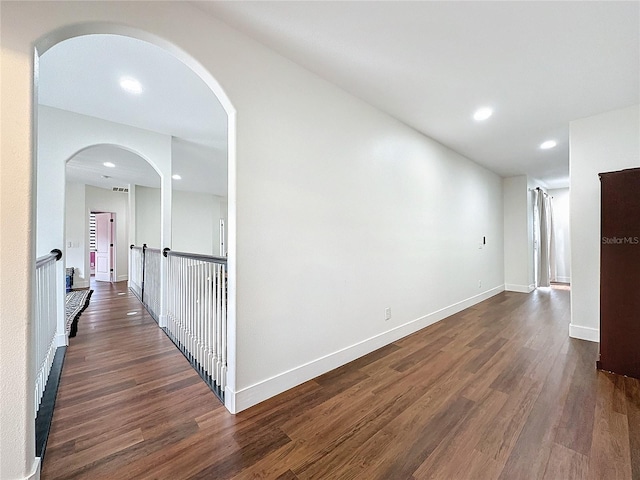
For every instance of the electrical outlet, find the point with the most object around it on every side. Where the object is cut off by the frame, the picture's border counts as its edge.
(387, 313)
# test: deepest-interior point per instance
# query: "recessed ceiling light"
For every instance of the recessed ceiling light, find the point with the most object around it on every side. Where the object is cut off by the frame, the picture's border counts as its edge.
(109, 164)
(482, 114)
(548, 144)
(176, 177)
(131, 85)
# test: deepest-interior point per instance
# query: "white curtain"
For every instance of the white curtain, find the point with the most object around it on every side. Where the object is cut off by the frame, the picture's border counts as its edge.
(546, 266)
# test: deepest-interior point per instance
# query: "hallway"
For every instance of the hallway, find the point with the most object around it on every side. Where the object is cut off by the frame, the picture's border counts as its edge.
(496, 391)
(125, 393)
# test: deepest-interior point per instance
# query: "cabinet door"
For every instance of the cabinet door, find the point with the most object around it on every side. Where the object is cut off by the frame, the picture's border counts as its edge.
(620, 272)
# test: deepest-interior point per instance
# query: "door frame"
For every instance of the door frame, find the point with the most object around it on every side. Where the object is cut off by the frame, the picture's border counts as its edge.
(112, 245)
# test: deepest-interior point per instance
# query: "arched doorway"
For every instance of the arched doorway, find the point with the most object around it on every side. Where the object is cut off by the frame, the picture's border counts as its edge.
(162, 146)
(130, 191)
(29, 30)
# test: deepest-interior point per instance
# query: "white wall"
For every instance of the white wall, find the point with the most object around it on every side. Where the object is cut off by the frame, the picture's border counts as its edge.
(354, 214)
(340, 212)
(103, 200)
(17, 256)
(224, 214)
(601, 143)
(81, 200)
(517, 233)
(561, 232)
(196, 222)
(519, 255)
(147, 218)
(62, 134)
(76, 233)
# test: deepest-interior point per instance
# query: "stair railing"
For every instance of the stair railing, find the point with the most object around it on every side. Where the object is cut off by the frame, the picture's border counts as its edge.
(45, 325)
(197, 312)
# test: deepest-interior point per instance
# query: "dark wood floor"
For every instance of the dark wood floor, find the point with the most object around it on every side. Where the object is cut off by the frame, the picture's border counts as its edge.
(498, 391)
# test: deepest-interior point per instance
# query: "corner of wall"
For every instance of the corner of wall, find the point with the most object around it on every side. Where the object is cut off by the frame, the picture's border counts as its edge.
(592, 141)
(584, 333)
(230, 400)
(510, 287)
(35, 470)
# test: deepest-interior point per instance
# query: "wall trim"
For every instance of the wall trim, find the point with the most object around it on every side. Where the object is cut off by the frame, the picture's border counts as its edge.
(236, 401)
(35, 470)
(512, 287)
(122, 278)
(230, 400)
(563, 279)
(584, 333)
(61, 339)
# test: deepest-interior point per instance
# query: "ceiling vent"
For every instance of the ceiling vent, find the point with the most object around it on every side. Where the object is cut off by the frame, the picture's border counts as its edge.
(121, 189)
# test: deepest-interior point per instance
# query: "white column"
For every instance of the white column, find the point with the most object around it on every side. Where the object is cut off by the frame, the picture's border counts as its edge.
(165, 241)
(132, 228)
(17, 254)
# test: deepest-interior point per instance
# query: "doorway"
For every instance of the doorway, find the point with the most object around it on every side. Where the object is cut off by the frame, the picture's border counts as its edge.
(161, 127)
(105, 253)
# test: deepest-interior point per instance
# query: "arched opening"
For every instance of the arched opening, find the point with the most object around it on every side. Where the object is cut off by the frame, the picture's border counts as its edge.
(129, 191)
(76, 127)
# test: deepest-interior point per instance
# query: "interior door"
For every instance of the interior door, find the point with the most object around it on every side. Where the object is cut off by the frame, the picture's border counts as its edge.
(104, 247)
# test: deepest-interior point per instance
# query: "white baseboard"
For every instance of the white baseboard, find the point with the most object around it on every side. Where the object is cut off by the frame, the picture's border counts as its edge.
(61, 340)
(122, 278)
(511, 287)
(230, 400)
(254, 394)
(35, 470)
(563, 279)
(584, 333)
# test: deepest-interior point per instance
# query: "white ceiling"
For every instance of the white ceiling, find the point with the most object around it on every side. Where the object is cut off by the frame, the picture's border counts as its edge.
(82, 75)
(431, 64)
(428, 64)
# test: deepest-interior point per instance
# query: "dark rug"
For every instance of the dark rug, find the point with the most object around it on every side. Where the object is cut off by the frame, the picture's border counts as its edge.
(74, 305)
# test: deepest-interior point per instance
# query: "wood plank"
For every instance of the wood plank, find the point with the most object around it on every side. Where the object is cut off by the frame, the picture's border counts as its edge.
(566, 464)
(495, 391)
(461, 445)
(576, 425)
(632, 396)
(610, 454)
(429, 436)
(541, 422)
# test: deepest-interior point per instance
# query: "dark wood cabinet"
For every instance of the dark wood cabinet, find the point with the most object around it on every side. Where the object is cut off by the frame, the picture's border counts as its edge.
(620, 272)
